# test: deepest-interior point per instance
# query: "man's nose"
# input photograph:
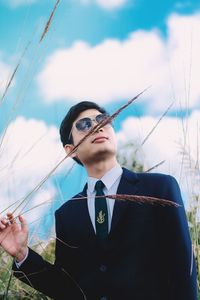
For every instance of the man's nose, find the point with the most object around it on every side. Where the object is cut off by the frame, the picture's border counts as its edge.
(101, 129)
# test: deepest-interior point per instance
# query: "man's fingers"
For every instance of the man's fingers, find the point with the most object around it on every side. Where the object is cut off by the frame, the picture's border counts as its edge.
(11, 218)
(23, 223)
(3, 223)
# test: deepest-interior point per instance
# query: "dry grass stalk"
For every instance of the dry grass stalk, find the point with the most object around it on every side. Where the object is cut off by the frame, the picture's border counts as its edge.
(92, 131)
(119, 197)
(155, 166)
(36, 188)
(5, 92)
(137, 199)
(76, 283)
(13, 74)
(106, 121)
(152, 130)
(49, 21)
(23, 275)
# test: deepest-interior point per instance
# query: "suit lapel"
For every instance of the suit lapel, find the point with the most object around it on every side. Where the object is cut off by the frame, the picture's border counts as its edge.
(128, 185)
(84, 217)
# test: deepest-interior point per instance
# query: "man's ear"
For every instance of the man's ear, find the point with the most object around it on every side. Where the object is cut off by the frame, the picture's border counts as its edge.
(68, 148)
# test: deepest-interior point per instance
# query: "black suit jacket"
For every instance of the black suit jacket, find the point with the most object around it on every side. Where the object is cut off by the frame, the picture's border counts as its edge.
(147, 255)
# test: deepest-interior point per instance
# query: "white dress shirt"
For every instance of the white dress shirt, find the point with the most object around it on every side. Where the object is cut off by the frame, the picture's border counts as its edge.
(111, 181)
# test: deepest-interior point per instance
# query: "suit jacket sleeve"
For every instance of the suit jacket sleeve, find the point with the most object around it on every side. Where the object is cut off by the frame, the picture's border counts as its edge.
(50, 279)
(183, 283)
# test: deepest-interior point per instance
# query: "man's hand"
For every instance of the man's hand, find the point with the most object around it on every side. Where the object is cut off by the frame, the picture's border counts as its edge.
(14, 237)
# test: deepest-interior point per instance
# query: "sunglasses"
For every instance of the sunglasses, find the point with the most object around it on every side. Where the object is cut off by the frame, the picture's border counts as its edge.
(85, 124)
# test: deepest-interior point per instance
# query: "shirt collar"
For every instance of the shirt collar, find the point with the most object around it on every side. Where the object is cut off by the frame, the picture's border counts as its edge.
(108, 179)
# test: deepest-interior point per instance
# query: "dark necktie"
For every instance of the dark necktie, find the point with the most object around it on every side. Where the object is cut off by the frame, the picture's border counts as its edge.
(101, 212)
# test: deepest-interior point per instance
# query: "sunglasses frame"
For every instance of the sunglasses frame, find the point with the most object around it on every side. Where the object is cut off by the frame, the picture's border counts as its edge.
(92, 119)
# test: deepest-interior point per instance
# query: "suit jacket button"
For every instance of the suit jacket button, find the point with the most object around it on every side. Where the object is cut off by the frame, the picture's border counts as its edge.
(103, 268)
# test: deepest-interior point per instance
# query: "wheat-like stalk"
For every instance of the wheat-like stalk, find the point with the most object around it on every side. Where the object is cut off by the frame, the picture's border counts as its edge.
(137, 199)
(92, 131)
(49, 21)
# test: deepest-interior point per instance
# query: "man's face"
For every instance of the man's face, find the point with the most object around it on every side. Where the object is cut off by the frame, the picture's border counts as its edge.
(98, 146)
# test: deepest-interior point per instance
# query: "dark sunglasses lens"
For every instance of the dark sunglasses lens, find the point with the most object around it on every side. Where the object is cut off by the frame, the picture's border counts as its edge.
(84, 124)
(101, 118)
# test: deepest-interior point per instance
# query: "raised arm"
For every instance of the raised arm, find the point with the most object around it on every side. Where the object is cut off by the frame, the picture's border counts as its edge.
(50, 279)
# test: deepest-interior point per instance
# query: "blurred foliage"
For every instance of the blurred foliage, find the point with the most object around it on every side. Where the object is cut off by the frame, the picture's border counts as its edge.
(127, 157)
(194, 225)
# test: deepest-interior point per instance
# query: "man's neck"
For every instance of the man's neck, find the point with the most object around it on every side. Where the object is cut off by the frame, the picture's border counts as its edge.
(98, 170)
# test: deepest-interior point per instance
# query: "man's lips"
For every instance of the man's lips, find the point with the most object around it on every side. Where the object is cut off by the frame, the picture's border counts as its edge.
(99, 139)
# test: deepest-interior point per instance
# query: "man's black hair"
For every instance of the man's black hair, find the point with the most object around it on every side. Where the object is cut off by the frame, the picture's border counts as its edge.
(71, 116)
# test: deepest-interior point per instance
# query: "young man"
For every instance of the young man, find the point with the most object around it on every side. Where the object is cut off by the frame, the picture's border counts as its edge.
(108, 249)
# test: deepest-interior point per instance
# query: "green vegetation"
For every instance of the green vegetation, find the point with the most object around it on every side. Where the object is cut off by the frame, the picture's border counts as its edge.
(195, 235)
(11, 288)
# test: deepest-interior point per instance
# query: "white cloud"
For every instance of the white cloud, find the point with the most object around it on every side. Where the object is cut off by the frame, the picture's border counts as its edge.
(117, 69)
(174, 140)
(30, 150)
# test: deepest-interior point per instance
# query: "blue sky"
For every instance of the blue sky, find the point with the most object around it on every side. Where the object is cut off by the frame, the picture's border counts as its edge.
(106, 51)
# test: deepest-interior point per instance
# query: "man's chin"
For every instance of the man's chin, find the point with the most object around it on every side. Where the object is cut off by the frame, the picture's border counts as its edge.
(100, 155)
